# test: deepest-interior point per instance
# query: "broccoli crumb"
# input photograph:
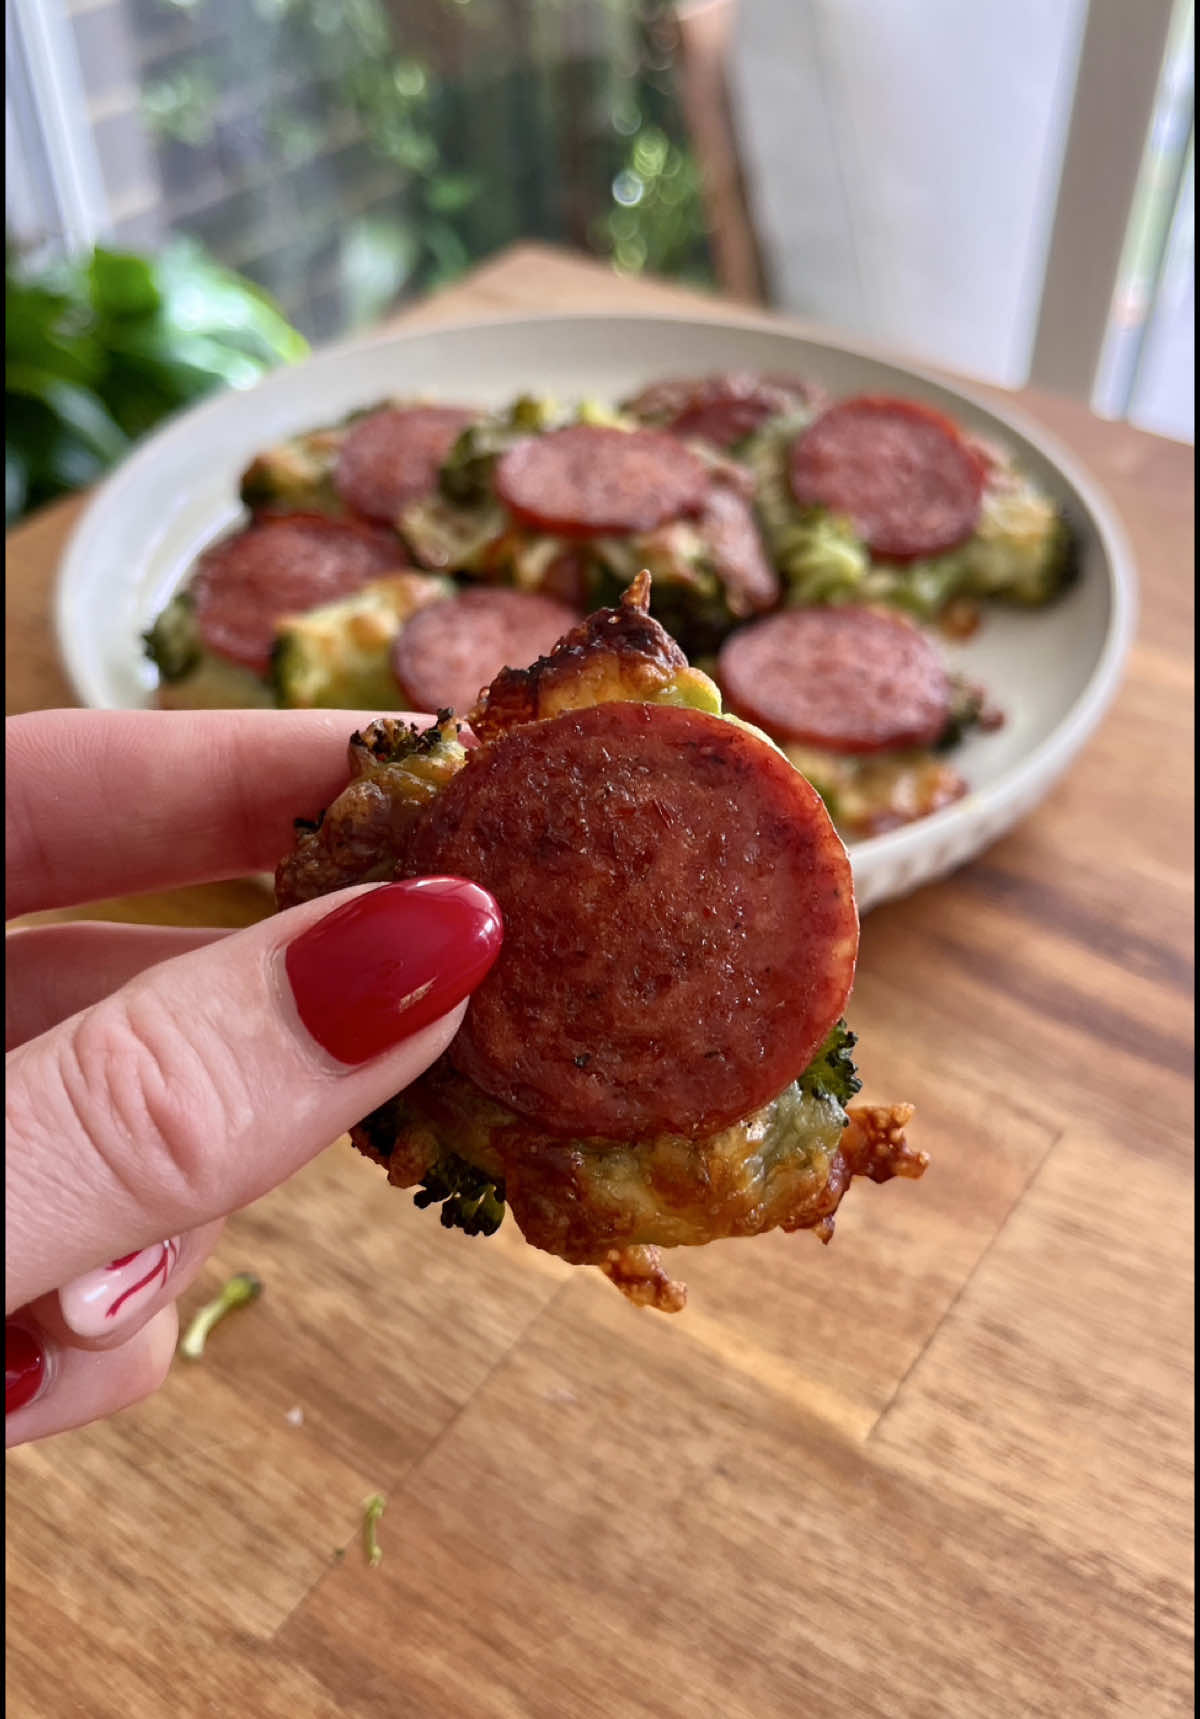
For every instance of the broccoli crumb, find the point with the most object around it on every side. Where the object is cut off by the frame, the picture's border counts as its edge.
(240, 1291)
(373, 1509)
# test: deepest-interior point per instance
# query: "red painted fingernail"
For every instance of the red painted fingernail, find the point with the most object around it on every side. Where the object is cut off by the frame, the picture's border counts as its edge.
(389, 963)
(24, 1366)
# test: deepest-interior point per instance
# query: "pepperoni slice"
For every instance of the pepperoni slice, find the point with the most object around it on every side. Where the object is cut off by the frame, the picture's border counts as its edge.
(680, 928)
(447, 653)
(900, 471)
(282, 565)
(722, 410)
(590, 480)
(393, 456)
(848, 679)
(730, 530)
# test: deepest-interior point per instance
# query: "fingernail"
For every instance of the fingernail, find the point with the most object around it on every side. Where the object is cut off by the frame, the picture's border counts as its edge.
(24, 1366)
(117, 1294)
(391, 962)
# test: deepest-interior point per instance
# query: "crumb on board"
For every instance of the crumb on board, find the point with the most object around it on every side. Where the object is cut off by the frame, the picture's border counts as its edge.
(373, 1509)
(240, 1291)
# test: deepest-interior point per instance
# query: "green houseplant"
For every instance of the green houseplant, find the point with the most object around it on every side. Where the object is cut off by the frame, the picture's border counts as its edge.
(100, 349)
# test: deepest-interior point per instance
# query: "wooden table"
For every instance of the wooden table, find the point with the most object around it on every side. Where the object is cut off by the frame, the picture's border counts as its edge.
(941, 1469)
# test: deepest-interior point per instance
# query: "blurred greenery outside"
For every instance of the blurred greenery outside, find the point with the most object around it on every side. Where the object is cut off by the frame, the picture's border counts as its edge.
(491, 120)
(99, 349)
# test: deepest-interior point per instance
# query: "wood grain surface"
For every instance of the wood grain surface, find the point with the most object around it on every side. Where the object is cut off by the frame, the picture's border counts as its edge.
(941, 1468)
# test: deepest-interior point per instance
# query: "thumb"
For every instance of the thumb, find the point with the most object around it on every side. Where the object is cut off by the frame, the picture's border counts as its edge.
(208, 1079)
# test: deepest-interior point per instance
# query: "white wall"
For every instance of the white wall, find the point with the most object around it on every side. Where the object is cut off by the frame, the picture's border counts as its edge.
(903, 159)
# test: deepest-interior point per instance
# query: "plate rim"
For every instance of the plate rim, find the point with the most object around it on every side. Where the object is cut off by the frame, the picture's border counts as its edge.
(1035, 771)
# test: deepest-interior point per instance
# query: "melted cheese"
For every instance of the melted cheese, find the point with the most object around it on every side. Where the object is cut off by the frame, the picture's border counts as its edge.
(868, 793)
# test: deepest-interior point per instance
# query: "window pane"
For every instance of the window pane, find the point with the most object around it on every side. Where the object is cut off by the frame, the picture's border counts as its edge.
(1164, 393)
(1158, 223)
(343, 152)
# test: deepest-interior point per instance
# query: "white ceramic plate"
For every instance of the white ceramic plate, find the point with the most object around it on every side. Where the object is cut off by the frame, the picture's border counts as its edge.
(1054, 671)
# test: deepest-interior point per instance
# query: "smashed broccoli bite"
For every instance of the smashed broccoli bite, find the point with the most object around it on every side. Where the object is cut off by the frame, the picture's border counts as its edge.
(464, 528)
(609, 1200)
(771, 1167)
(1020, 551)
(191, 677)
(339, 656)
(465, 477)
(473, 1157)
(298, 474)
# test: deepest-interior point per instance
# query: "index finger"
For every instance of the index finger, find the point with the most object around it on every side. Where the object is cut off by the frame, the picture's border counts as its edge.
(114, 802)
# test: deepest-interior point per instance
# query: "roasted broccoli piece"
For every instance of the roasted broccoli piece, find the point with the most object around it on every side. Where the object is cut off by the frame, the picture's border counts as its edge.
(1023, 550)
(969, 708)
(173, 642)
(291, 476)
(465, 478)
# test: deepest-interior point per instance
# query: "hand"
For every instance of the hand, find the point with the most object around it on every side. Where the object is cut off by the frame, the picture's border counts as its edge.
(160, 1078)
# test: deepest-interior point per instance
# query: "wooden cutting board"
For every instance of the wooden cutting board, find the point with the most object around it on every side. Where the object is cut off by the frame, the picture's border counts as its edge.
(941, 1468)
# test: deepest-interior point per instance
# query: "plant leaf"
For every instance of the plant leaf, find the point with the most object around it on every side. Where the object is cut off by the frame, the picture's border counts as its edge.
(186, 364)
(51, 332)
(80, 411)
(199, 296)
(449, 253)
(451, 192)
(122, 284)
(16, 484)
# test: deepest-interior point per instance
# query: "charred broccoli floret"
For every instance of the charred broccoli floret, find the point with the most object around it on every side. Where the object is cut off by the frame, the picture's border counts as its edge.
(831, 1073)
(471, 1200)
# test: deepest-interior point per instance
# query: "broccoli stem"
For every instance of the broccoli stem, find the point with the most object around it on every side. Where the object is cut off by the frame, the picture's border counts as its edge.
(240, 1291)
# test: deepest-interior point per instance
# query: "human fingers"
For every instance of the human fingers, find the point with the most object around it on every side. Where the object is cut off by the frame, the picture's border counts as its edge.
(208, 1079)
(48, 1388)
(52, 971)
(104, 1307)
(111, 802)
